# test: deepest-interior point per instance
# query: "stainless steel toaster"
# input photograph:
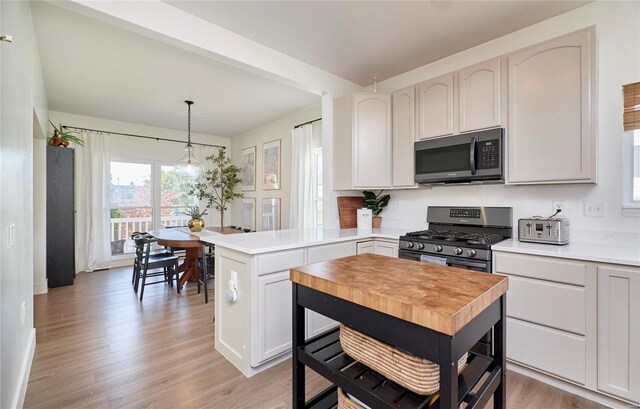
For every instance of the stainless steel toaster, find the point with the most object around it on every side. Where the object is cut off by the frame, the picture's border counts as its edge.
(548, 231)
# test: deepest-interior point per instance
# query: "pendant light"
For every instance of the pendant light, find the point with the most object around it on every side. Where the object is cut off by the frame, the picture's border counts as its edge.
(189, 157)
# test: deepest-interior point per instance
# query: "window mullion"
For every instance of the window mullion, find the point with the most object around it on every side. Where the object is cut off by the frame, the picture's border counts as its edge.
(157, 194)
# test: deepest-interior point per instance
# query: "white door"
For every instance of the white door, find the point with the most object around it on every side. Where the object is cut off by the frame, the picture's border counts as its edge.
(479, 96)
(435, 107)
(404, 135)
(551, 137)
(385, 248)
(372, 147)
(274, 315)
(619, 331)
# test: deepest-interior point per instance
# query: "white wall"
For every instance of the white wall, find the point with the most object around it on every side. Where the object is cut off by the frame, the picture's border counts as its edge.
(280, 129)
(39, 214)
(128, 148)
(22, 91)
(618, 35)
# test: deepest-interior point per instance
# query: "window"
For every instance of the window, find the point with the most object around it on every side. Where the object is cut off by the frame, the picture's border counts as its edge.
(142, 191)
(175, 183)
(317, 186)
(131, 203)
(632, 173)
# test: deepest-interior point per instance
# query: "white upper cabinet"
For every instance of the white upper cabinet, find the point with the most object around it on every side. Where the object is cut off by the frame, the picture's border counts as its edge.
(435, 112)
(551, 110)
(479, 96)
(404, 134)
(372, 147)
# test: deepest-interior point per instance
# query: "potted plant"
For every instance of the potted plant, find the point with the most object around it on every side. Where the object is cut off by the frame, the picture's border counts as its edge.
(197, 222)
(217, 185)
(62, 137)
(377, 203)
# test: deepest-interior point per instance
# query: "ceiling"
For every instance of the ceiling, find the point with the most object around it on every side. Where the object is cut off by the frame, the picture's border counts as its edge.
(356, 40)
(96, 69)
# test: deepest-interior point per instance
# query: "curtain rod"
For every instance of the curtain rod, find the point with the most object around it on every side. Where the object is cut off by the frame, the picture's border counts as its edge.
(307, 123)
(140, 136)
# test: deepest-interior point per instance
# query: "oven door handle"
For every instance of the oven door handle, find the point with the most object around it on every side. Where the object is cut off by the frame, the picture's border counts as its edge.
(459, 262)
(472, 154)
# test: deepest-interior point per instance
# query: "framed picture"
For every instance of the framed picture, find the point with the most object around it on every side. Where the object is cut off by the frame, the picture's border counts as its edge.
(271, 165)
(248, 212)
(249, 169)
(270, 214)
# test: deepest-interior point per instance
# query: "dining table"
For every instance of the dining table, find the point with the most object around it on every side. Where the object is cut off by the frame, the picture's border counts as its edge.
(181, 238)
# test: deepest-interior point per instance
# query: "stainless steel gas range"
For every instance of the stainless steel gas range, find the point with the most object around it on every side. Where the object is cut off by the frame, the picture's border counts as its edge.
(458, 236)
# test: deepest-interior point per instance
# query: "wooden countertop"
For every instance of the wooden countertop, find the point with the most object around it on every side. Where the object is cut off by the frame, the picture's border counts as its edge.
(444, 299)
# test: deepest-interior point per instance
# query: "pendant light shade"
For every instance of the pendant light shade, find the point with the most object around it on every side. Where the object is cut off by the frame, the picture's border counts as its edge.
(189, 157)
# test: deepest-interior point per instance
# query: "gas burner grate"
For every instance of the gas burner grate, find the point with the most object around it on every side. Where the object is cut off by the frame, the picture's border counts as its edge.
(470, 238)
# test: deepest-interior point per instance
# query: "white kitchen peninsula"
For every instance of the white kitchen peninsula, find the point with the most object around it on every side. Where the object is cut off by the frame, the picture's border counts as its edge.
(254, 331)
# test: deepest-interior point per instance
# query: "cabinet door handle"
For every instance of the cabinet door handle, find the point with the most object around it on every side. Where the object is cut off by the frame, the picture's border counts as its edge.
(472, 154)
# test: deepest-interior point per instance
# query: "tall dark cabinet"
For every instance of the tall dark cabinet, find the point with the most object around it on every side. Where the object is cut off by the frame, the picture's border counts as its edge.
(60, 216)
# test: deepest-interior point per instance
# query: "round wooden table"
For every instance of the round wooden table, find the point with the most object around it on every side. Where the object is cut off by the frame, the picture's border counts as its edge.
(173, 237)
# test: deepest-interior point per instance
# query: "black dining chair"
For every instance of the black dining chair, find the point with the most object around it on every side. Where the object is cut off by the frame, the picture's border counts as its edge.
(136, 265)
(206, 268)
(167, 262)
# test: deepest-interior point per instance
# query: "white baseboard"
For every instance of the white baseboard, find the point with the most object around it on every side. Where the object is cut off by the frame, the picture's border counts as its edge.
(18, 400)
(40, 288)
(569, 387)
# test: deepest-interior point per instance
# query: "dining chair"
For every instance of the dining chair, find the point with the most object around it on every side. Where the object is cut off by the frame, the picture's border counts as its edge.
(136, 265)
(167, 262)
(232, 227)
(206, 268)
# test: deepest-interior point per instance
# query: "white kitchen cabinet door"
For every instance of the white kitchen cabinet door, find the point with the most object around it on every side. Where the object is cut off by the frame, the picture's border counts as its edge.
(274, 315)
(364, 247)
(479, 96)
(342, 142)
(551, 134)
(619, 331)
(404, 136)
(435, 107)
(372, 147)
(385, 248)
(316, 323)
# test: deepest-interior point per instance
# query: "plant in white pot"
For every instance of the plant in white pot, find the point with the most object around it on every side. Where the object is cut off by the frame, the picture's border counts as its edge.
(217, 185)
(377, 203)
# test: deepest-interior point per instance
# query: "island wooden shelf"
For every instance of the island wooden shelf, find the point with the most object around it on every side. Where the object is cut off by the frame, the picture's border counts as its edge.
(437, 313)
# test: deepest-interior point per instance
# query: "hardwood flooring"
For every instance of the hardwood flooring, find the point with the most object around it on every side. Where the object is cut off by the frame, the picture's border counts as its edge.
(99, 347)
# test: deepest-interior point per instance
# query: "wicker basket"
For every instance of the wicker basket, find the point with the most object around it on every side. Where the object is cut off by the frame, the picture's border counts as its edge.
(345, 403)
(414, 373)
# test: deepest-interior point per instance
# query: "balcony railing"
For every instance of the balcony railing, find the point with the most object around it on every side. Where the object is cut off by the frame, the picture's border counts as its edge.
(121, 229)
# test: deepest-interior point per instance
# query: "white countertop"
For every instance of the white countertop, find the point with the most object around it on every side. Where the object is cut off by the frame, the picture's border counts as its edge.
(602, 247)
(269, 241)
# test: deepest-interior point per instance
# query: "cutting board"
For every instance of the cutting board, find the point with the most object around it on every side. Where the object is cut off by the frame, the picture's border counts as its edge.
(347, 211)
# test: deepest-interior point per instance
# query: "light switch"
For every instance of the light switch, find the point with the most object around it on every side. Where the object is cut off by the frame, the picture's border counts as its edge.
(12, 235)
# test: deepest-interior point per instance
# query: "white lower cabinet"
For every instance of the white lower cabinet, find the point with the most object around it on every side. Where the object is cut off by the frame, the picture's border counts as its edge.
(382, 247)
(364, 247)
(274, 315)
(619, 331)
(576, 320)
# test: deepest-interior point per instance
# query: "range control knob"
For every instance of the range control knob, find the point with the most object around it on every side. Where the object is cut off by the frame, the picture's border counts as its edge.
(471, 253)
(458, 251)
(408, 244)
(437, 248)
(420, 246)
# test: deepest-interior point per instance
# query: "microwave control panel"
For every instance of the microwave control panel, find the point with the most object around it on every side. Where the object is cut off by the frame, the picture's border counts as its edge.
(488, 154)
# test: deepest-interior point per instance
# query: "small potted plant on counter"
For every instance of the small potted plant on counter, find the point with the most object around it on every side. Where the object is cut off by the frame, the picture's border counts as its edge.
(377, 203)
(197, 222)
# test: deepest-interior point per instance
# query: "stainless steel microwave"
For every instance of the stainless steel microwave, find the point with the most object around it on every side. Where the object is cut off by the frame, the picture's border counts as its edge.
(475, 157)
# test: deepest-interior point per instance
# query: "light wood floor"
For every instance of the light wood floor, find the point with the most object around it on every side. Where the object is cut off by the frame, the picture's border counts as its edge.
(98, 346)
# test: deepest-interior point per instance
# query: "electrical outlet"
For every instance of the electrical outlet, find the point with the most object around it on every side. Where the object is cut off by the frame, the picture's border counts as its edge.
(559, 205)
(594, 209)
(23, 312)
(396, 205)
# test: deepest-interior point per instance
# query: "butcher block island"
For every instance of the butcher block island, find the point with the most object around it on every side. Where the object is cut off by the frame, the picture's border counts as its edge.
(416, 313)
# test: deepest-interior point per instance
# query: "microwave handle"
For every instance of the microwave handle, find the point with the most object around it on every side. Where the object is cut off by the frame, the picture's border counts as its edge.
(472, 154)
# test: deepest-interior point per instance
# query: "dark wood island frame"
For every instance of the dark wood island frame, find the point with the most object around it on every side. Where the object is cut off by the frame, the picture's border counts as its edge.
(324, 355)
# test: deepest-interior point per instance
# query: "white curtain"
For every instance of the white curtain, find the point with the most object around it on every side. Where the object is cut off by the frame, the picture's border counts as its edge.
(302, 201)
(93, 217)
